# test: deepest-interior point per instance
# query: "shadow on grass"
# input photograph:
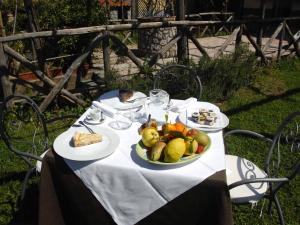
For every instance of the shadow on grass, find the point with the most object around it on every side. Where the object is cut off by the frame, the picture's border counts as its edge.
(27, 211)
(12, 177)
(261, 102)
(21, 212)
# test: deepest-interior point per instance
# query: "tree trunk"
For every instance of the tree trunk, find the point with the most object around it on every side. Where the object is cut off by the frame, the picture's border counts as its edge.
(4, 79)
(33, 24)
(182, 50)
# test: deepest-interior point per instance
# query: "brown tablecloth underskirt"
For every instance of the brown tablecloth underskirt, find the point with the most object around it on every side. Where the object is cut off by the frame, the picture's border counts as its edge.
(65, 200)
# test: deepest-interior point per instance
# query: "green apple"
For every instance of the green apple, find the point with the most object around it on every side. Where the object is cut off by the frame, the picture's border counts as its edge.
(202, 139)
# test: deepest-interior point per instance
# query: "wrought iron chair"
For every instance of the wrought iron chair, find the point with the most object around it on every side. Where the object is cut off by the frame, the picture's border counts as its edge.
(179, 81)
(248, 183)
(24, 131)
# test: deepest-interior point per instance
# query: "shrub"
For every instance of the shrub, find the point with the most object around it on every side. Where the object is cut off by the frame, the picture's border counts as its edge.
(57, 14)
(222, 76)
(137, 82)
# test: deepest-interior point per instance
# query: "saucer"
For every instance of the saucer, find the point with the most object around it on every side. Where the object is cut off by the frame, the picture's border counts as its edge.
(93, 122)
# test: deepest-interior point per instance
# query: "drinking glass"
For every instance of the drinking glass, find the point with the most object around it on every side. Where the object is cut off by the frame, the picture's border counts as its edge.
(159, 100)
(121, 122)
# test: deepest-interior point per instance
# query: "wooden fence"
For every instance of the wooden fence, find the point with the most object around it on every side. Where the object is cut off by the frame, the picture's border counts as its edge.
(104, 35)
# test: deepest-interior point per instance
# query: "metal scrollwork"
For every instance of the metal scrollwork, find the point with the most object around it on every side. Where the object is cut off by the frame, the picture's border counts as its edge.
(23, 129)
(250, 173)
(292, 138)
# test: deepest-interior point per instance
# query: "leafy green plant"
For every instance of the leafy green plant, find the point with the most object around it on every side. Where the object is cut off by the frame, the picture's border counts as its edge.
(139, 82)
(221, 77)
(53, 15)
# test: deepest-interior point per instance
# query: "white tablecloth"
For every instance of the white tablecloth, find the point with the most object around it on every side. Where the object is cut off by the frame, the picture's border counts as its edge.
(130, 188)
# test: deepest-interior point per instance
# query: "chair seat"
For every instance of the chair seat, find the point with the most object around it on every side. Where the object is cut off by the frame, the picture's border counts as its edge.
(238, 169)
(38, 164)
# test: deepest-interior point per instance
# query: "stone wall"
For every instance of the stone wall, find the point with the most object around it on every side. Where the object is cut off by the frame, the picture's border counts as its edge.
(151, 41)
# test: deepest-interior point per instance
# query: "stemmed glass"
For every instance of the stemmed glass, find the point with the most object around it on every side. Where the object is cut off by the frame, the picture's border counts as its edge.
(121, 122)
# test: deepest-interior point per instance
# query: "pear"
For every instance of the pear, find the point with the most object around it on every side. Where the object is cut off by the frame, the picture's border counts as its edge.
(191, 146)
(157, 150)
(150, 136)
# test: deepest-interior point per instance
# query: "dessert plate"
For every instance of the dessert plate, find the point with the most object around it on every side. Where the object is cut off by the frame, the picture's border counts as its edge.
(111, 98)
(63, 145)
(221, 122)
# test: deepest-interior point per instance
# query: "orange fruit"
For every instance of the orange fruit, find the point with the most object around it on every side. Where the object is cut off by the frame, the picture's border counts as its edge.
(181, 128)
(168, 127)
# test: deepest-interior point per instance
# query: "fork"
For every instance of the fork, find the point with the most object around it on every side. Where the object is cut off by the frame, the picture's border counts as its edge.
(81, 123)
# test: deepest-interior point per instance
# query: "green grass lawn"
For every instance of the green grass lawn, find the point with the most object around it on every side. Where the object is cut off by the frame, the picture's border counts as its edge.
(260, 107)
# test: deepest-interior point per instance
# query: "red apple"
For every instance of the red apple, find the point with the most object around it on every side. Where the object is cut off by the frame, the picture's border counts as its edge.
(192, 133)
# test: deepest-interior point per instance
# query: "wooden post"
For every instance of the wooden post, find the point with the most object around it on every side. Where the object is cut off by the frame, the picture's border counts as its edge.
(240, 12)
(280, 41)
(106, 53)
(293, 40)
(262, 16)
(5, 83)
(134, 9)
(34, 28)
(239, 36)
(275, 8)
(4, 79)
(182, 46)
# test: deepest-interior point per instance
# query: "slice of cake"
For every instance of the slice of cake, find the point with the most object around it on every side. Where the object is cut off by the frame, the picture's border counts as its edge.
(82, 139)
(125, 94)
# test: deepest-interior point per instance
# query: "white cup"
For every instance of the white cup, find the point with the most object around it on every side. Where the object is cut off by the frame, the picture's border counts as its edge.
(95, 114)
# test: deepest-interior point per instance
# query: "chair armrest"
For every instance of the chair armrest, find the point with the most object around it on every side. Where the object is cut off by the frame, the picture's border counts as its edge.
(258, 180)
(250, 133)
(29, 155)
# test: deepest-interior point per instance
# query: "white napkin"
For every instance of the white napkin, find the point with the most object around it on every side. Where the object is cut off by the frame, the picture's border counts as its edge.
(183, 105)
(106, 109)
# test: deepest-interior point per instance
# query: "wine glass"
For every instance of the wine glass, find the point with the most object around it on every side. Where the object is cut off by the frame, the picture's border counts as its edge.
(121, 122)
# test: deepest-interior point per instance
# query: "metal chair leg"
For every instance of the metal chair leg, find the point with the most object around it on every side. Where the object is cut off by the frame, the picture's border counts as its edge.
(24, 185)
(279, 211)
(270, 207)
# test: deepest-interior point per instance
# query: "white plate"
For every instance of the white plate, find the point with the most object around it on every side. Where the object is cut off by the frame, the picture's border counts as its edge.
(111, 98)
(221, 122)
(63, 147)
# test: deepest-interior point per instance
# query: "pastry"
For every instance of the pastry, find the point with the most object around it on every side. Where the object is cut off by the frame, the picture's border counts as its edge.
(125, 94)
(82, 139)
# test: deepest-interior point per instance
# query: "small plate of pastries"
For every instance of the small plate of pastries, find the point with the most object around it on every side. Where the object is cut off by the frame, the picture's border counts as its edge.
(123, 99)
(204, 116)
(80, 145)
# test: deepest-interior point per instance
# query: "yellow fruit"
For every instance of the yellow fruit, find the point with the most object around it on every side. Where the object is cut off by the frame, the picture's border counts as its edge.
(202, 139)
(150, 136)
(191, 146)
(174, 150)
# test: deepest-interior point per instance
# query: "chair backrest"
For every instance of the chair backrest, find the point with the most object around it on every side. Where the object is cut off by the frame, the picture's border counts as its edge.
(23, 128)
(179, 81)
(283, 159)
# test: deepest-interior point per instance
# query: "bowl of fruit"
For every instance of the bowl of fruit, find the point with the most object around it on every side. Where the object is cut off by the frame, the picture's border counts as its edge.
(172, 144)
